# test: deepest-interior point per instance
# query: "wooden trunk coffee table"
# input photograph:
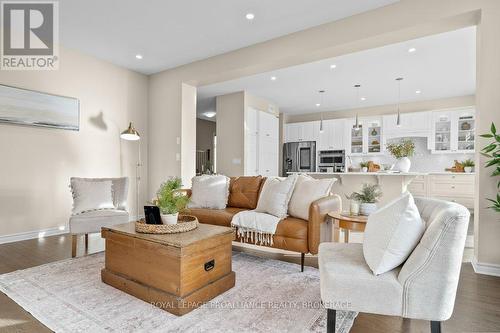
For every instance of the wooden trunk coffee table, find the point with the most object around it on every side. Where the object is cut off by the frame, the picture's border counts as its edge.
(176, 272)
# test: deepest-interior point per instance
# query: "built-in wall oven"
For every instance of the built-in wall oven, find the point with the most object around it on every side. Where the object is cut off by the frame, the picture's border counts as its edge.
(299, 157)
(331, 161)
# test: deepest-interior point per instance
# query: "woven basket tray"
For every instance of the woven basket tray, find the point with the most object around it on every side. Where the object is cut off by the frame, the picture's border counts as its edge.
(184, 223)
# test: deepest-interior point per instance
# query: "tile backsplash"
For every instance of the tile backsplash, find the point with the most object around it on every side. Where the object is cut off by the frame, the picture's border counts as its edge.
(422, 161)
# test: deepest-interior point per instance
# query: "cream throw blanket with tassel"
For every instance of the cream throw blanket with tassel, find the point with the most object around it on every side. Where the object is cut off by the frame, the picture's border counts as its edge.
(255, 227)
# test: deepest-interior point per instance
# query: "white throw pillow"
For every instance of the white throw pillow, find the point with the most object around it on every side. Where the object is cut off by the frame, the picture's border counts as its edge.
(91, 195)
(275, 196)
(307, 190)
(209, 192)
(391, 234)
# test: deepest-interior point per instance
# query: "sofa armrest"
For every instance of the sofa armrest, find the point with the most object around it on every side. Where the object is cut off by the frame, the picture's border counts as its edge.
(317, 215)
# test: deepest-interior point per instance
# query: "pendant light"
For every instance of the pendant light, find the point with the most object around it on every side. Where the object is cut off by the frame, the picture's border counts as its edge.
(398, 119)
(321, 92)
(356, 125)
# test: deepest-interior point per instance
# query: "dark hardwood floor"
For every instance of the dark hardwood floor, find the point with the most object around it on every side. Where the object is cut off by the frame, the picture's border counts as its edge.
(477, 307)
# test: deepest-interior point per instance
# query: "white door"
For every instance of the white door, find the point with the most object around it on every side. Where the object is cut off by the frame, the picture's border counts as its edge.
(251, 142)
(268, 144)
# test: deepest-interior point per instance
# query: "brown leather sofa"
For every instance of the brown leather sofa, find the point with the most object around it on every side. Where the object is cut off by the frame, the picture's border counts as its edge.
(293, 234)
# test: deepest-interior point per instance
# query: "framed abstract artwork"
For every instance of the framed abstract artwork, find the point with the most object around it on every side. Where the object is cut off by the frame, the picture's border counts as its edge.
(27, 107)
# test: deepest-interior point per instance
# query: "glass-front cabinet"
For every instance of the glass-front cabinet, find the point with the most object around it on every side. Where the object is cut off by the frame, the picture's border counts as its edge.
(442, 132)
(357, 139)
(466, 132)
(374, 137)
(453, 131)
(367, 139)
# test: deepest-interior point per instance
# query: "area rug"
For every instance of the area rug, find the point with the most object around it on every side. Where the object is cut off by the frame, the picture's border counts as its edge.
(269, 296)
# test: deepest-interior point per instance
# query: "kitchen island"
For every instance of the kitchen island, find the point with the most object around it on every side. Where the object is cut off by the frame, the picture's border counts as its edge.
(391, 184)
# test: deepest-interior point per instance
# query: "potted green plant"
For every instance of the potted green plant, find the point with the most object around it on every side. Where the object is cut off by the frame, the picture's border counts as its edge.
(170, 200)
(492, 151)
(364, 166)
(402, 151)
(468, 165)
(367, 197)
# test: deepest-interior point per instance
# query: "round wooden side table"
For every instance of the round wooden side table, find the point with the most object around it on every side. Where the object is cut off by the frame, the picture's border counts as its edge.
(348, 223)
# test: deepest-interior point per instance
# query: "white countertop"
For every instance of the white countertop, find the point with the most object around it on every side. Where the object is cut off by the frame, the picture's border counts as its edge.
(452, 173)
(382, 173)
(366, 173)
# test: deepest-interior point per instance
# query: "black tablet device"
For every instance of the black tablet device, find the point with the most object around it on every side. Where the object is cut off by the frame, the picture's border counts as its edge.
(152, 214)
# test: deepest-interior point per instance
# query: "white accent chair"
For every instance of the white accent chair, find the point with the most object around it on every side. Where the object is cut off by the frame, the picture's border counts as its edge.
(93, 221)
(424, 287)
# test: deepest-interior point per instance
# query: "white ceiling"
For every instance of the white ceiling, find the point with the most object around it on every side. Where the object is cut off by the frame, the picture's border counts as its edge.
(442, 66)
(169, 33)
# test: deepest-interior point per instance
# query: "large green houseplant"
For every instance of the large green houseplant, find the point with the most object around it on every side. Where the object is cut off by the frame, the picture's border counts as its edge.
(171, 200)
(492, 151)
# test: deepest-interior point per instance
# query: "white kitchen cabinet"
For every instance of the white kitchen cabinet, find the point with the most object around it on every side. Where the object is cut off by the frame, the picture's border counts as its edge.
(455, 187)
(333, 136)
(366, 140)
(411, 124)
(453, 131)
(261, 143)
(305, 131)
(292, 132)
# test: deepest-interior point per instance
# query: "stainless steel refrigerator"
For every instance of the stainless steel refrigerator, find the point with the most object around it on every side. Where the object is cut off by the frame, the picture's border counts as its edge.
(299, 157)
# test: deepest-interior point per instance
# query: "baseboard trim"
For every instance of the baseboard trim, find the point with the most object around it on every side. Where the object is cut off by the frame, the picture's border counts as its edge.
(33, 234)
(43, 233)
(484, 268)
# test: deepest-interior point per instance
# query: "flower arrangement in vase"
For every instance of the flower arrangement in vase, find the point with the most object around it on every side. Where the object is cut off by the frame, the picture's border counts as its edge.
(402, 151)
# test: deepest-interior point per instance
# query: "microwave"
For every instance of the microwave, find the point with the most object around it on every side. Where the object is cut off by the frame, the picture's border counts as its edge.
(331, 157)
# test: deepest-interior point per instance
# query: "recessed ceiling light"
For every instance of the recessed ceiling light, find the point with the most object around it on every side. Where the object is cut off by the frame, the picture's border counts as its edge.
(412, 49)
(417, 92)
(318, 105)
(363, 98)
(250, 16)
(333, 66)
(210, 114)
(273, 78)
(138, 56)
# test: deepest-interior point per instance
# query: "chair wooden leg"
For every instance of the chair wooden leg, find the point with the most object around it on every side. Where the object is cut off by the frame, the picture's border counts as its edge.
(74, 240)
(435, 327)
(302, 257)
(331, 316)
(86, 241)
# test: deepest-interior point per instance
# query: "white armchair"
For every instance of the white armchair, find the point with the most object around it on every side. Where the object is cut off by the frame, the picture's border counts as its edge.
(424, 287)
(93, 220)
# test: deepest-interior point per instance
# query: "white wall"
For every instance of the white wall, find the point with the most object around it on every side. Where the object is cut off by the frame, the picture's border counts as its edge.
(404, 20)
(230, 134)
(188, 141)
(38, 162)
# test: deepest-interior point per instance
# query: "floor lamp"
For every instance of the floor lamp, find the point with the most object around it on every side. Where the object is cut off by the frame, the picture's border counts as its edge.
(131, 134)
